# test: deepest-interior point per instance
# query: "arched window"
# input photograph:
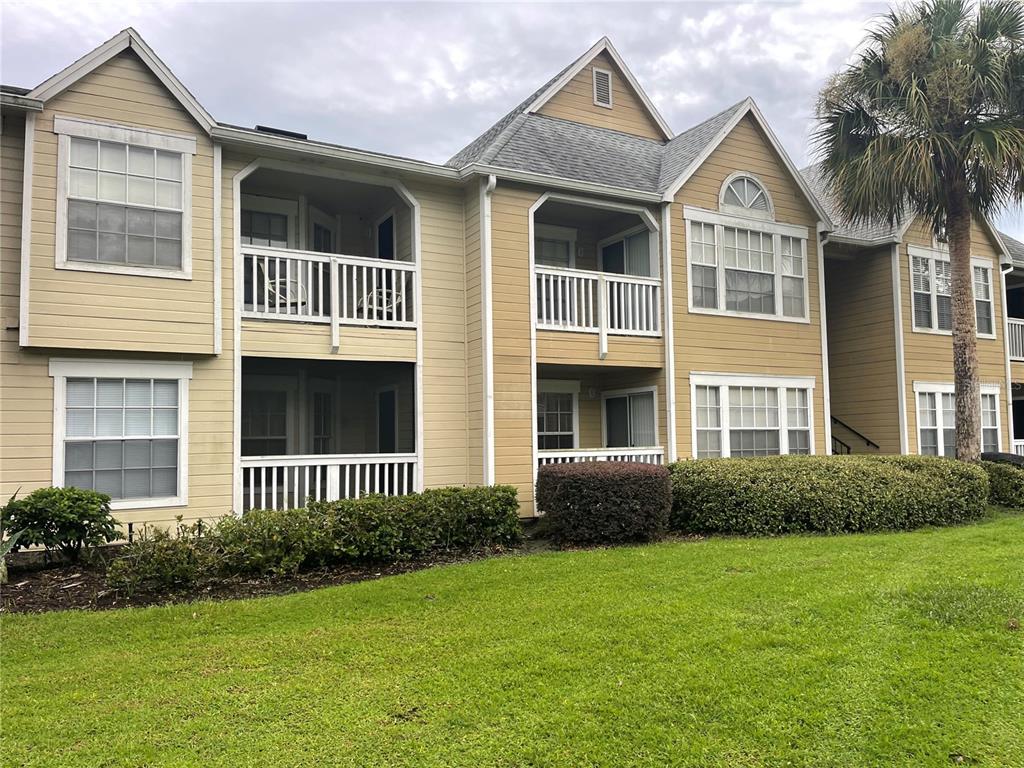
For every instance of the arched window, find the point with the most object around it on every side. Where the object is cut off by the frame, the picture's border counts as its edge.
(743, 193)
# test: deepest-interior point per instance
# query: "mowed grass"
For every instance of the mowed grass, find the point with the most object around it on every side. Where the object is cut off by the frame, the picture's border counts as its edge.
(875, 650)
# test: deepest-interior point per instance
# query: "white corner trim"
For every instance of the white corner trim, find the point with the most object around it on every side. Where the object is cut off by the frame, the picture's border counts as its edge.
(901, 382)
(823, 330)
(25, 273)
(61, 369)
(486, 308)
(124, 134)
(218, 255)
(602, 45)
(532, 266)
(1006, 352)
(127, 38)
(669, 331)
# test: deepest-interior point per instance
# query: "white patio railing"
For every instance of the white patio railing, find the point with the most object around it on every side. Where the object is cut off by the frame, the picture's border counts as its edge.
(598, 302)
(282, 284)
(1018, 447)
(1015, 335)
(282, 482)
(642, 455)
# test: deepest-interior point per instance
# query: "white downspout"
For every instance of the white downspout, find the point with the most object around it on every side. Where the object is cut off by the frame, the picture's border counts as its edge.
(486, 304)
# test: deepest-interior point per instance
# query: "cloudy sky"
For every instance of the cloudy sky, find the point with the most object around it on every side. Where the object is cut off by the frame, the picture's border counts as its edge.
(422, 80)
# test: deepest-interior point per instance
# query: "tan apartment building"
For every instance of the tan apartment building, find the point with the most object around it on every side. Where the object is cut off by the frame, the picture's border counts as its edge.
(201, 318)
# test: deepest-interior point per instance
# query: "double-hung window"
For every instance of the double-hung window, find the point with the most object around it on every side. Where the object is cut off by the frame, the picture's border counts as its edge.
(554, 246)
(751, 416)
(124, 199)
(557, 415)
(931, 280)
(121, 429)
(746, 266)
(936, 419)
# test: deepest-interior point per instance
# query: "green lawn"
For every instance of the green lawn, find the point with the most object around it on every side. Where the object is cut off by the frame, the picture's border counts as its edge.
(887, 650)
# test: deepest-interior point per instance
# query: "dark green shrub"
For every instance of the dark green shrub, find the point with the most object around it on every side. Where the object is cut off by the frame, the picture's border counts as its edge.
(827, 494)
(268, 542)
(604, 502)
(62, 519)
(1005, 484)
(159, 560)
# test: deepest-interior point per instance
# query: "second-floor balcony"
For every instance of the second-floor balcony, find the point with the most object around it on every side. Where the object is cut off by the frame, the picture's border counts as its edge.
(596, 270)
(1015, 337)
(304, 286)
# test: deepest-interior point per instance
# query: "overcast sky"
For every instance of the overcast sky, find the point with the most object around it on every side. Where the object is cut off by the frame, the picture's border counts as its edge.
(422, 80)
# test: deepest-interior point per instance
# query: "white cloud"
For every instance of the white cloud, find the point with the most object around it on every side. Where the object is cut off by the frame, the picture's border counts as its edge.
(422, 80)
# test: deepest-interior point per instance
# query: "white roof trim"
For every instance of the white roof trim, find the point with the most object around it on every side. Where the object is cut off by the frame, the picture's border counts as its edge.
(604, 45)
(750, 108)
(127, 38)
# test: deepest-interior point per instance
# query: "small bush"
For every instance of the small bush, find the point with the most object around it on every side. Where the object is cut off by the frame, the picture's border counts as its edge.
(1005, 484)
(159, 560)
(266, 542)
(62, 519)
(827, 494)
(604, 502)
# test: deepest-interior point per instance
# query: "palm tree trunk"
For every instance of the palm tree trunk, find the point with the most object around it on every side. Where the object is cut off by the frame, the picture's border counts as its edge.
(965, 345)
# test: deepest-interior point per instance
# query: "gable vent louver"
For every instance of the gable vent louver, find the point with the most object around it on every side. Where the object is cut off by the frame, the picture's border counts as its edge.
(602, 87)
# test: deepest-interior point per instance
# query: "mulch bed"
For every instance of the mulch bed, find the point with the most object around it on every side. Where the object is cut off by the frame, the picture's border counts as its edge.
(35, 589)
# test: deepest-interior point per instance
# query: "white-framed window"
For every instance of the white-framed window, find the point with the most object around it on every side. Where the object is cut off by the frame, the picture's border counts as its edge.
(602, 87)
(738, 416)
(121, 428)
(746, 267)
(745, 195)
(628, 253)
(630, 418)
(932, 303)
(269, 222)
(554, 246)
(936, 419)
(124, 199)
(557, 415)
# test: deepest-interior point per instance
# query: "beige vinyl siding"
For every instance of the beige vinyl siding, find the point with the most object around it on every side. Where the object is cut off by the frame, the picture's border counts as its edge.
(104, 311)
(513, 396)
(928, 357)
(474, 339)
(26, 403)
(1017, 371)
(722, 344)
(575, 101)
(582, 349)
(862, 348)
(275, 338)
(443, 305)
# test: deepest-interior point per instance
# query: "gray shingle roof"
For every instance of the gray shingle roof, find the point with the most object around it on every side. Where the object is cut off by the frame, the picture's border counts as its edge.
(857, 230)
(1015, 247)
(566, 149)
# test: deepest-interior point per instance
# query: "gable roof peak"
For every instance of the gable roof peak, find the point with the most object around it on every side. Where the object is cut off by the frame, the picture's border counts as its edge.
(127, 38)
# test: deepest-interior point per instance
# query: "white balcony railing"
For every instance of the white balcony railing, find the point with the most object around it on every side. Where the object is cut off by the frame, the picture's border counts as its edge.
(282, 284)
(642, 455)
(598, 302)
(1015, 334)
(283, 482)
(1018, 447)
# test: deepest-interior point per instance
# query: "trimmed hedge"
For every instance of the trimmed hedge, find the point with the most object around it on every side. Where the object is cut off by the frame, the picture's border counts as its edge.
(1005, 483)
(266, 542)
(66, 520)
(827, 494)
(604, 502)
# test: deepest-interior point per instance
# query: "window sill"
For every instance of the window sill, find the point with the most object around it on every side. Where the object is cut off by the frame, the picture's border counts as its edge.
(121, 505)
(127, 269)
(748, 315)
(940, 332)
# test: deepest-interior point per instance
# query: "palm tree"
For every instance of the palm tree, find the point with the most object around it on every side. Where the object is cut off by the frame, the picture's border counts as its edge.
(929, 120)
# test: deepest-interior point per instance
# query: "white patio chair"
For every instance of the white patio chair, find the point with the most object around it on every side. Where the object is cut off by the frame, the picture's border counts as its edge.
(284, 292)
